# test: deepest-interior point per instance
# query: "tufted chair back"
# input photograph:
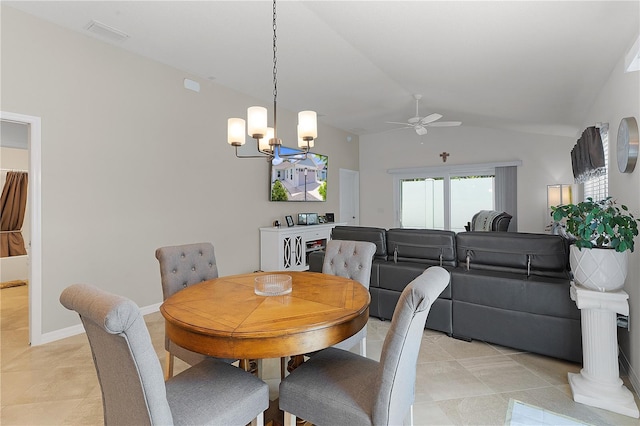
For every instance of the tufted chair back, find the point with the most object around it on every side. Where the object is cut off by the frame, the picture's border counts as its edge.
(130, 376)
(133, 391)
(349, 259)
(182, 266)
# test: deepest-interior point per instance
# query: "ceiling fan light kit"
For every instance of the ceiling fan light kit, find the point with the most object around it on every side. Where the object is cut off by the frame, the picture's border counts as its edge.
(420, 124)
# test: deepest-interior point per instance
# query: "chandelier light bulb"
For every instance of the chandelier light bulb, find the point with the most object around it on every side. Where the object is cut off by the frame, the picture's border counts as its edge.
(257, 122)
(263, 144)
(307, 125)
(302, 143)
(235, 131)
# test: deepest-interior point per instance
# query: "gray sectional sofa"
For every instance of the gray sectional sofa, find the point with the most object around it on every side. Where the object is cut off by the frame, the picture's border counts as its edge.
(507, 288)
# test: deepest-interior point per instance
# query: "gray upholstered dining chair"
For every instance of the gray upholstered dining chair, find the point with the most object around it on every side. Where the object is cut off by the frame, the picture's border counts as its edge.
(133, 389)
(338, 387)
(182, 266)
(350, 259)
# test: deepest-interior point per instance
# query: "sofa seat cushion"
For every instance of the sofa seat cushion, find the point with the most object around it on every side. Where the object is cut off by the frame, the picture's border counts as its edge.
(428, 246)
(529, 254)
(363, 233)
(516, 292)
(396, 275)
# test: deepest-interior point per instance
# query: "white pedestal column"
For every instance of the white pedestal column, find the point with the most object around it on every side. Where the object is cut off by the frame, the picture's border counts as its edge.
(599, 384)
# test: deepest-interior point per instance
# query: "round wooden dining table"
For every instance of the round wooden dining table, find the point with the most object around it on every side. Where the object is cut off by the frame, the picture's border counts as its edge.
(225, 318)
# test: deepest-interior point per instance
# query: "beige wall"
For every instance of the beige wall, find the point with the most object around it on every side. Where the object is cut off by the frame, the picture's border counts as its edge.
(545, 161)
(132, 161)
(620, 98)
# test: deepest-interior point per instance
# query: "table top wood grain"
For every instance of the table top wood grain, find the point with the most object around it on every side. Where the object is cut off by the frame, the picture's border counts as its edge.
(225, 318)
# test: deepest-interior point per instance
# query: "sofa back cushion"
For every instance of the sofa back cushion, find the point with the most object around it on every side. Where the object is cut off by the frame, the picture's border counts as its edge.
(429, 246)
(363, 233)
(529, 254)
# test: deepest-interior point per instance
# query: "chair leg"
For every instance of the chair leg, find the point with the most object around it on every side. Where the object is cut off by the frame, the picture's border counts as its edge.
(289, 419)
(259, 420)
(168, 370)
(411, 415)
(363, 347)
(283, 367)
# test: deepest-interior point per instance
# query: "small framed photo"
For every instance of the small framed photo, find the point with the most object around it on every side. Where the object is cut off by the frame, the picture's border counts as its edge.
(330, 217)
(289, 220)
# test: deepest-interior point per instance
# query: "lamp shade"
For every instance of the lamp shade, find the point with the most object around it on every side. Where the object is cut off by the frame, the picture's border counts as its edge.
(263, 144)
(558, 195)
(257, 122)
(235, 131)
(307, 125)
(302, 143)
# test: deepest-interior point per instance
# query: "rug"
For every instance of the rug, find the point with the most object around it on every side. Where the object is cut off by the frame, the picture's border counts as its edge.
(521, 414)
(14, 283)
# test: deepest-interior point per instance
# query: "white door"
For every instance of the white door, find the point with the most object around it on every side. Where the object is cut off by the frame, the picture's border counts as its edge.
(349, 197)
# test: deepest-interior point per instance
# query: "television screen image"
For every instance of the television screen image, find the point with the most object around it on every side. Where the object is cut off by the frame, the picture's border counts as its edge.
(299, 178)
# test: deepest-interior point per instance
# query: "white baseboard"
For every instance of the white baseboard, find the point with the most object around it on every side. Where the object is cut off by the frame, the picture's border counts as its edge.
(79, 329)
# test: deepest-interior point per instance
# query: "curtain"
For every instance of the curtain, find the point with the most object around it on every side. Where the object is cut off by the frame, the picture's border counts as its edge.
(587, 156)
(13, 204)
(507, 193)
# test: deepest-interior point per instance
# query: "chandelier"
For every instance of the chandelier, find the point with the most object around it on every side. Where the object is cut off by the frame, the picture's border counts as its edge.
(267, 141)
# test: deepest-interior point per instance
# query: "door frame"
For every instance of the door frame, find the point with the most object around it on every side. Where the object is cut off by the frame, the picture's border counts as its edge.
(34, 136)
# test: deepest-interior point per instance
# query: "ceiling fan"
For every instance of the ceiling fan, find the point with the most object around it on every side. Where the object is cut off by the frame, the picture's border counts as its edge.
(420, 124)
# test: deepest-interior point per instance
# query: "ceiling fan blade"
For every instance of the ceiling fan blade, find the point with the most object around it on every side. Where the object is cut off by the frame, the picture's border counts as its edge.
(396, 122)
(395, 129)
(445, 124)
(421, 130)
(430, 118)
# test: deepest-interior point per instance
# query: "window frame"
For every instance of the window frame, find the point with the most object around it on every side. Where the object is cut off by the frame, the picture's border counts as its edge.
(445, 172)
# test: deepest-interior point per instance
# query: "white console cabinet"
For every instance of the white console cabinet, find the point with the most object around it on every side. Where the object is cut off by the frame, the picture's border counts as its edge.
(287, 248)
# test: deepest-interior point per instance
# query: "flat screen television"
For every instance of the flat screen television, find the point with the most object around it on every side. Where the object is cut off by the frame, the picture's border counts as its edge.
(299, 178)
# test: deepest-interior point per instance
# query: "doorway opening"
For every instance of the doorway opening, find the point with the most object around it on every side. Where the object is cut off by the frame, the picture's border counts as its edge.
(34, 220)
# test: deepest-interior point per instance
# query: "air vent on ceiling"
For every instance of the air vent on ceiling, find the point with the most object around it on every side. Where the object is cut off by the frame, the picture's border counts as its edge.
(106, 31)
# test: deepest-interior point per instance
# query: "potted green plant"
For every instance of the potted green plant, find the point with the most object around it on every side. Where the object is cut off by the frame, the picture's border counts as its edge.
(603, 233)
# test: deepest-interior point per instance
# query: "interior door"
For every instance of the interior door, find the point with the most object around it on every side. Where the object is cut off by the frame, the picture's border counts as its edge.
(349, 197)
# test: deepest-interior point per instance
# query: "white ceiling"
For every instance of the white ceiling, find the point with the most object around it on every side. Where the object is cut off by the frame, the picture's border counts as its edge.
(531, 66)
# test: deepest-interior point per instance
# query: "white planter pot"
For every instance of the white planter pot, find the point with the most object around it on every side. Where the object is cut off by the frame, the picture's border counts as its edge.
(599, 269)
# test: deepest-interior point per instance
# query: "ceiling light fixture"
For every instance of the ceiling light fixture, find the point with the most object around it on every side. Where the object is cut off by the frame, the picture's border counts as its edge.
(267, 140)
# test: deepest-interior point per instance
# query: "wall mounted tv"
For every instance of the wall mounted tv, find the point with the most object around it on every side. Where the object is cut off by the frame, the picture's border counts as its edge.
(299, 178)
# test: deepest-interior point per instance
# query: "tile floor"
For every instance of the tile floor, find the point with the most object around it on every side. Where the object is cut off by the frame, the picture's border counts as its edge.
(459, 383)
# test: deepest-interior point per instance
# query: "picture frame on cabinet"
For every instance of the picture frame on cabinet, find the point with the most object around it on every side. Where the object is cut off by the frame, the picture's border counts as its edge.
(289, 221)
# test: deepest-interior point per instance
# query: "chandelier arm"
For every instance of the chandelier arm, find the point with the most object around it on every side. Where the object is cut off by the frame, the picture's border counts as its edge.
(262, 155)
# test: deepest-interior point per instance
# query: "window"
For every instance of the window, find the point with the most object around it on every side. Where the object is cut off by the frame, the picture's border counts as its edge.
(444, 201)
(446, 197)
(422, 203)
(469, 195)
(598, 187)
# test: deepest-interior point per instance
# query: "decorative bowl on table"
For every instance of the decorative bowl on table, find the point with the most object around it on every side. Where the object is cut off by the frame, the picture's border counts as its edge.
(272, 285)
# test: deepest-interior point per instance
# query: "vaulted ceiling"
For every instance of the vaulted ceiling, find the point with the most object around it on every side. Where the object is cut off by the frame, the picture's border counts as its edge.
(532, 66)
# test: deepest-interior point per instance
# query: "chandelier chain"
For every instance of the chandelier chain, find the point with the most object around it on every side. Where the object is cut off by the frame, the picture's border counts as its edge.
(275, 71)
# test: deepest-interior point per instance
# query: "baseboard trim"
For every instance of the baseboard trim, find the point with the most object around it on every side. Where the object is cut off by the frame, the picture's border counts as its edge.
(79, 329)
